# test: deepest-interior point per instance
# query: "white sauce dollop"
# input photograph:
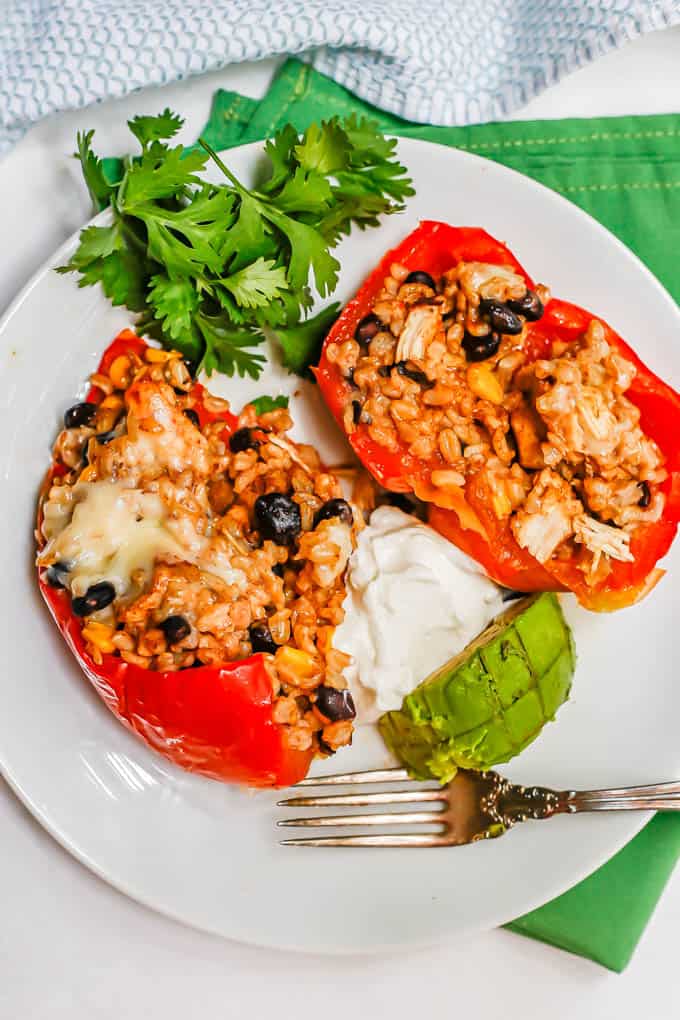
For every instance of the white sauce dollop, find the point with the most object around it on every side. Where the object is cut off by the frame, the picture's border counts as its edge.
(413, 601)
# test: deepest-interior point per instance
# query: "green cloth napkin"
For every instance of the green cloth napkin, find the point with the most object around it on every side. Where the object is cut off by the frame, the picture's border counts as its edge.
(624, 171)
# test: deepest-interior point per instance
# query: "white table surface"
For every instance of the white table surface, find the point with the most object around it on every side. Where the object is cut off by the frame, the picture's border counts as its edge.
(72, 948)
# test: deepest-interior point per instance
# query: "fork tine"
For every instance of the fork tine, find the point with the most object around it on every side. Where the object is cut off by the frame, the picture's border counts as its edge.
(365, 799)
(374, 776)
(408, 840)
(387, 818)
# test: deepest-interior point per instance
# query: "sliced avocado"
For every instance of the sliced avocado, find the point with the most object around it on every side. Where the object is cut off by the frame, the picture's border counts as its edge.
(492, 699)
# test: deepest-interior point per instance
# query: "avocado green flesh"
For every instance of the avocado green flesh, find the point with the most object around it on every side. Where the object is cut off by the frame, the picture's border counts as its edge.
(490, 701)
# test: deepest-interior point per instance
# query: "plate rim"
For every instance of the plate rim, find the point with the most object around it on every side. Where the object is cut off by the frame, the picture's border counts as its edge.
(636, 821)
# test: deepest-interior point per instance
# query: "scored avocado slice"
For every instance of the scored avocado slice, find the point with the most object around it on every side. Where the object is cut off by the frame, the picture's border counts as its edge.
(491, 700)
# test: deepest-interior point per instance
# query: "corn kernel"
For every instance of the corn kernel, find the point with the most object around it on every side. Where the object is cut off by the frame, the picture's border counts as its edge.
(100, 634)
(88, 474)
(119, 373)
(484, 383)
(113, 402)
(501, 505)
(154, 356)
(299, 662)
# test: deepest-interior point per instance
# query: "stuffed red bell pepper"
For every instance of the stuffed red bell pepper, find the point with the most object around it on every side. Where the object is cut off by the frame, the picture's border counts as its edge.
(194, 563)
(543, 445)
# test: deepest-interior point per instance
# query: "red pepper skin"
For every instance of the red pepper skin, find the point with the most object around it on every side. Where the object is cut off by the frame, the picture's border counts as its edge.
(213, 720)
(471, 524)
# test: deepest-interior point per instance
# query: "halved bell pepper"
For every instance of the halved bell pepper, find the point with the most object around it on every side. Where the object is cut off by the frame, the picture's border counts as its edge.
(465, 516)
(214, 720)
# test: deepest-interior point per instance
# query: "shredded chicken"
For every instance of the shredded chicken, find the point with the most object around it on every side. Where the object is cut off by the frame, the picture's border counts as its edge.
(422, 325)
(546, 519)
(602, 539)
(500, 283)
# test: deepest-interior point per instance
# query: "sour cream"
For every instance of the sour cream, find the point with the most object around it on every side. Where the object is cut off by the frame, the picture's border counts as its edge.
(413, 601)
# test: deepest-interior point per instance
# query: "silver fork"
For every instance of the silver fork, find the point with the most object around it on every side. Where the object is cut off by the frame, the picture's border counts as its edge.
(474, 805)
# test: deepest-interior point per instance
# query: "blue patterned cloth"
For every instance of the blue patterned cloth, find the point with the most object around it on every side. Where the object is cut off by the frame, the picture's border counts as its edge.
(442, 62)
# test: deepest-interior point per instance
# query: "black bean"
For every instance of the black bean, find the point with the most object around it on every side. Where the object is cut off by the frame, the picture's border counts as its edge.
(646, 497)
(79, 414)
(510, 595)
(356, 411)
(192, 416)
(175, 628)
(97, 596)
(261, 637)
(324, 747)
(367, 328)
(190, 366)
(412, 373)
(349, 376)
(335, 705)
(385, 371)
(278, 570)
(501, 318)
(479, 348)
(530, 306)
(278, 518)
(242, 440)
(56, 574)
(105, 437)
(418, 276)
(335, 508)
(401, 501)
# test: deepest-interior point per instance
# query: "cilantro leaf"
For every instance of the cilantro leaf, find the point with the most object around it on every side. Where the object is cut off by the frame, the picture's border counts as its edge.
(174, 303)
(235, 313)
(95, 243)
(265, 404)
(301, 344)
(257, 284)
(187, 240)
(308, 251)
(280, 150)
(153, 129)
(122, 275)
(248, 237)
(324, 147)
(227, 348)
(93, 171)
(163, 173)
(305, 191)
(368, 143)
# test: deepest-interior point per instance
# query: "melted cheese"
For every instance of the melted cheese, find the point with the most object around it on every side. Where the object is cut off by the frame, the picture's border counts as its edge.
(106, 532)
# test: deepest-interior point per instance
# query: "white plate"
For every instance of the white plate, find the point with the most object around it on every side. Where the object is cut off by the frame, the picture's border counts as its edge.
(207, 854)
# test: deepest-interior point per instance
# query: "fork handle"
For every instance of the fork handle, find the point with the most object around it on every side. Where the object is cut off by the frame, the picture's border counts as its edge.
(507, 803)
(626, 804)
(654, 797)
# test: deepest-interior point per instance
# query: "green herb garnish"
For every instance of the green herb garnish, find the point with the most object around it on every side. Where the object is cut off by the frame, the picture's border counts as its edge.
(264, 404)
(211, 266)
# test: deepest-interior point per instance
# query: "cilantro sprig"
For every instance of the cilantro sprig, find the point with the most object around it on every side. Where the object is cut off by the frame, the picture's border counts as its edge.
(212, 267)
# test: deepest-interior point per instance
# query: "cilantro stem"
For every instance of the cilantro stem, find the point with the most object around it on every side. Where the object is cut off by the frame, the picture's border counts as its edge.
(222, 166)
